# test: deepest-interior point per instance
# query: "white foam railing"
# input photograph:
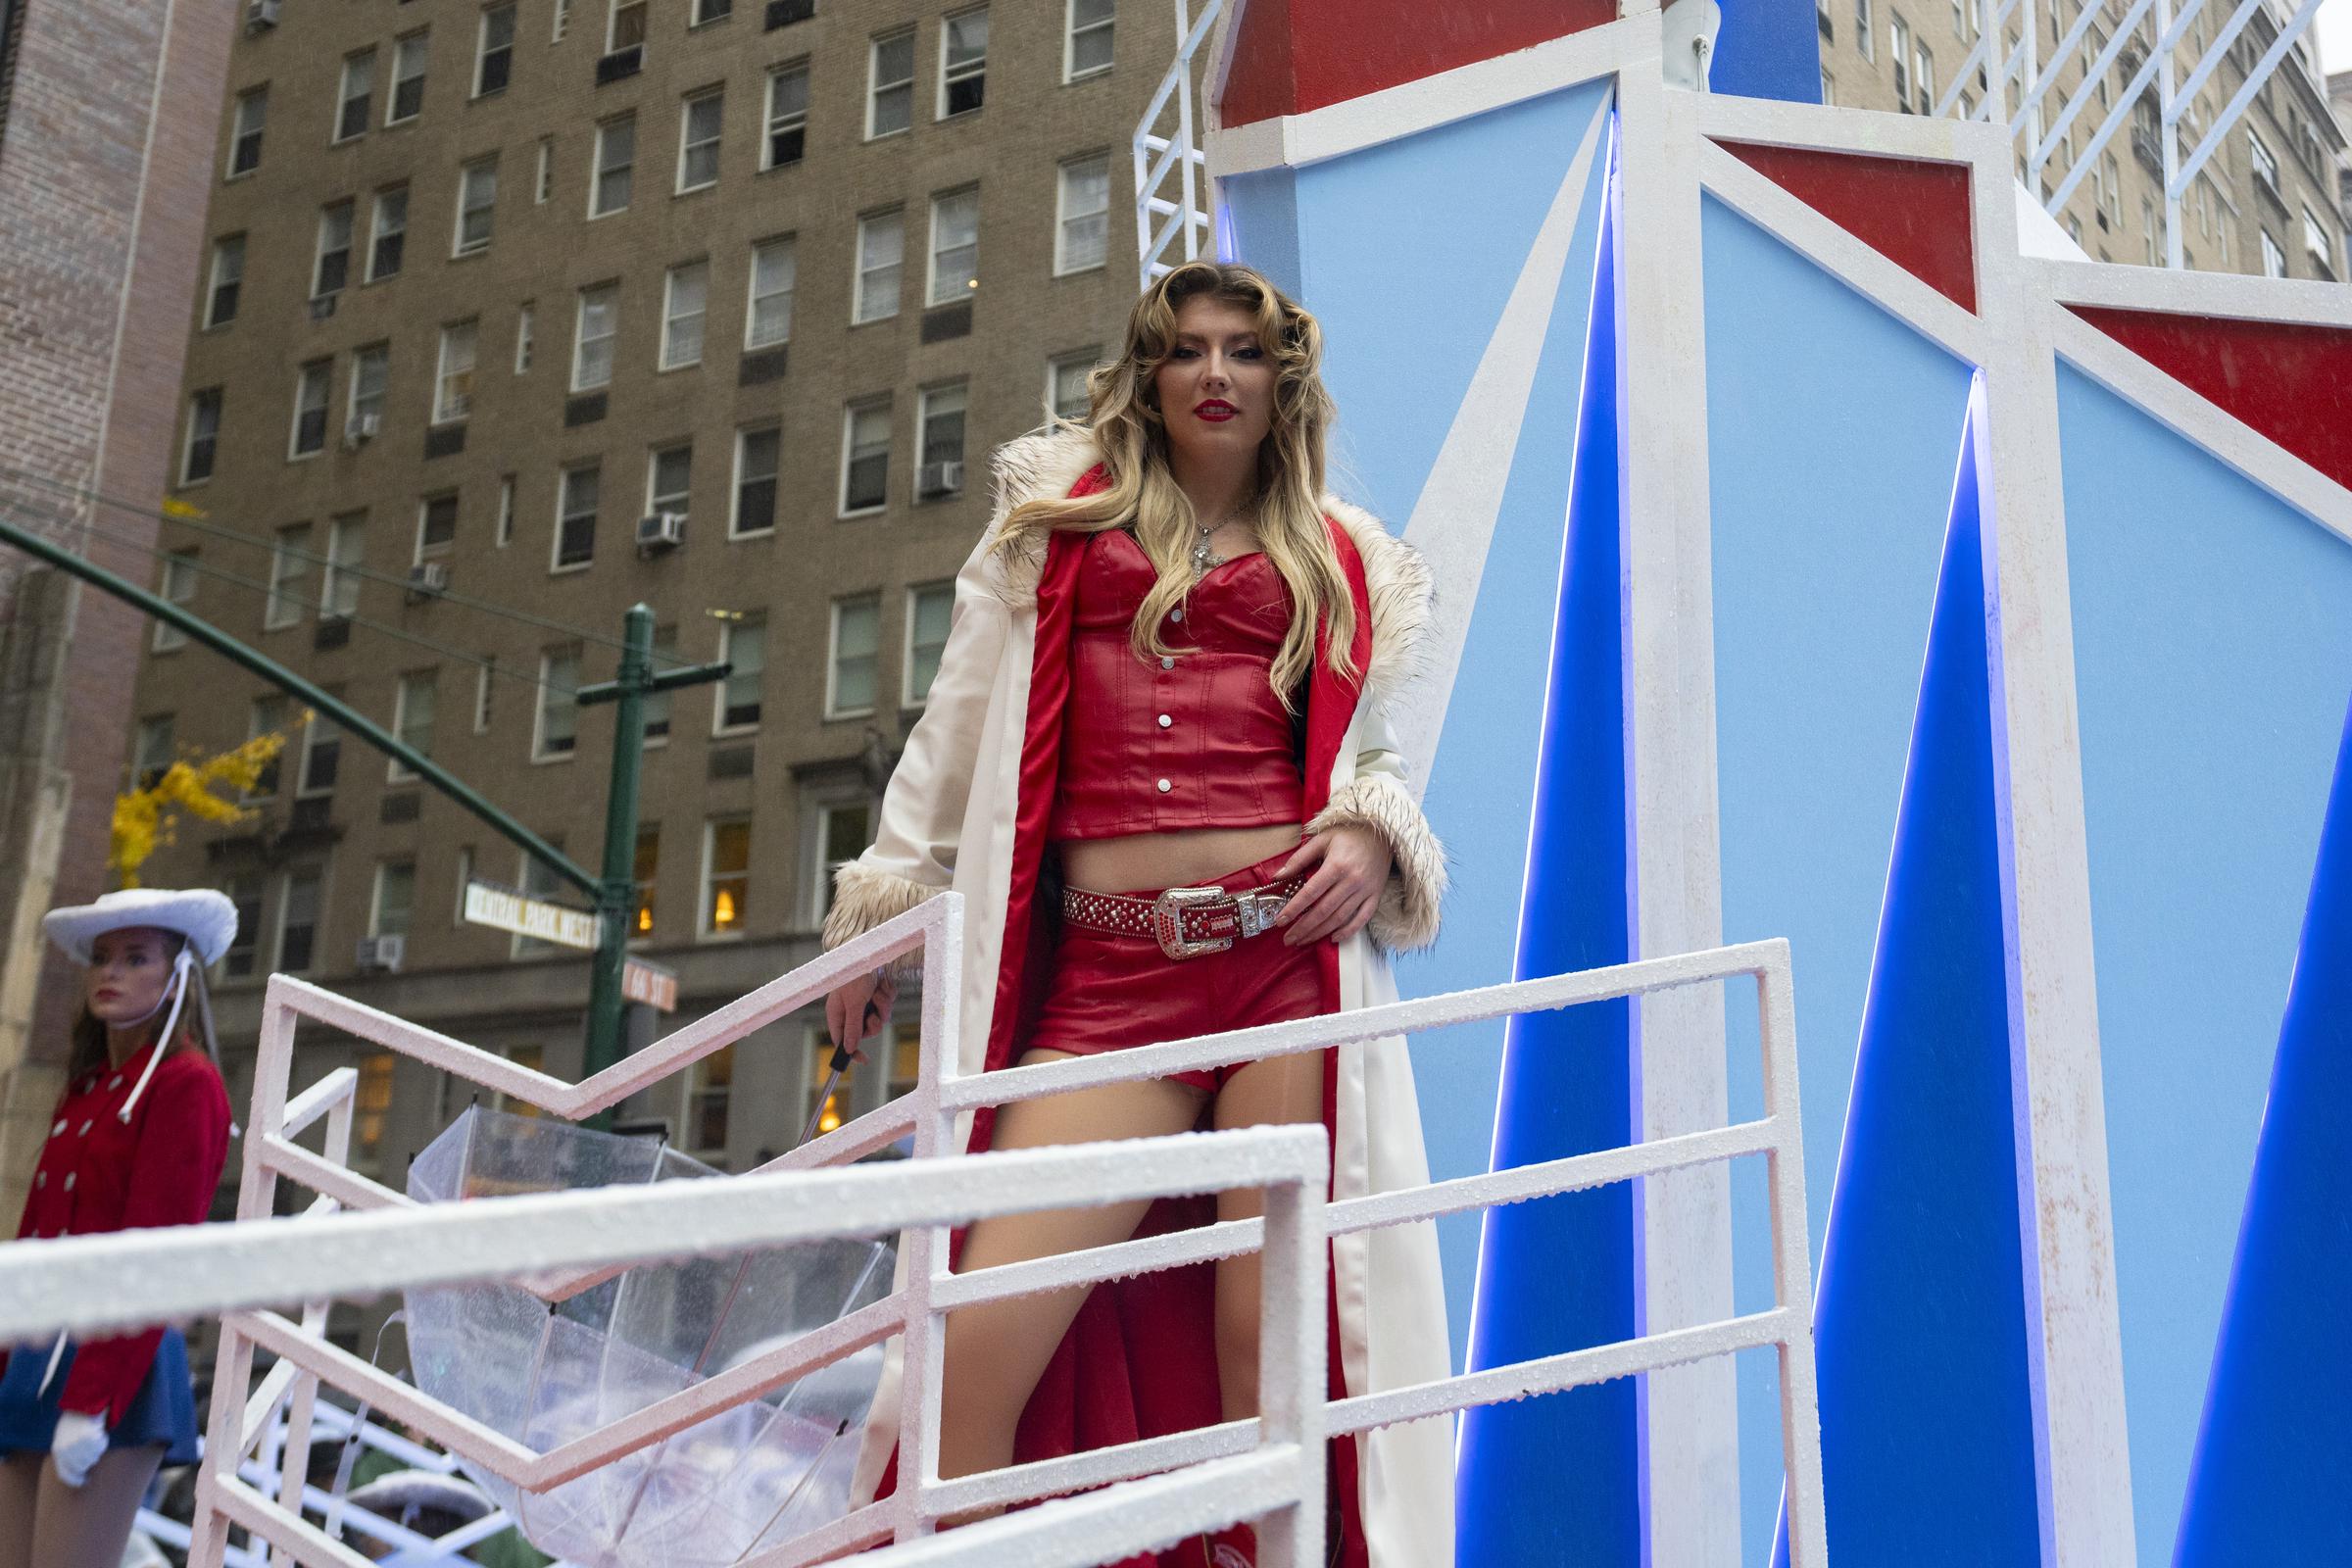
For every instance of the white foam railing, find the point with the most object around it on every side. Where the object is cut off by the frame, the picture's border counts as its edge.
(559, 1244)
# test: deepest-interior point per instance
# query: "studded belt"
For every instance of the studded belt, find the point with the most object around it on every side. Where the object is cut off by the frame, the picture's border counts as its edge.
(1186, 922)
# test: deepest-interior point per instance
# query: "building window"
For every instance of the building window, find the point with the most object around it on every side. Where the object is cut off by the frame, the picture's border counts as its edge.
(413, 702)
(1923, 78)
(267, 716)
(151, 751)
(408, 78)
(245, 892)
(395, 899)
(940, 445)
(436, 525)
(686, 295)
(297, 922)
(2266, 162)
(358, 90)
(2274, 259)
(1862, 28)
(245, 136)
(1066, 394)
(667, 479)
(477, 198)
(2111, 191)
(890, 84)
(756, 453)
(557, 727)
(544, 185)
(743, 644)
(1898, 53)
(962, 62)
(616, 158)
(881, 247)
(930, 609)
(864, 457)
(228, 275)
(699, 122)
(372, 1103)
(1088, 38)
(333, 264)
(525, 321)
(655, 709)
(767, 319)
(506, 510)
(954, 245)
(726, 876)
(711, 10)
(854, 658)
(321, 757)
(179, 586)
(1082, 215)
(346, 564)
(2318, 242)
(290, 563)
(709, 1086)
(2147, 225)
(538, 880)
(370, 368)
(575, 517)
(387, 232)
(493, 51)
(561, 22)
(842, 831)
(592, 338)
(787, 116)
(309, 407)
(626, 28)
(485, 681)
(644, 872)
(453, 382)
(204, 436)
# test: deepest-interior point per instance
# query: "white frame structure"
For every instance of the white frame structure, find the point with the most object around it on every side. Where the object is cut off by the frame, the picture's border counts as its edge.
(1160, 1489)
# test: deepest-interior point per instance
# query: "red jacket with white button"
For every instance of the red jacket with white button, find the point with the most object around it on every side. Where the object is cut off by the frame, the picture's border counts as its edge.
(99, 1173)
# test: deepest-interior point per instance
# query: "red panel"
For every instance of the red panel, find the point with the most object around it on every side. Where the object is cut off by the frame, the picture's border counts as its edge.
(2291, 382)
(1291, 56)
(1911, 212)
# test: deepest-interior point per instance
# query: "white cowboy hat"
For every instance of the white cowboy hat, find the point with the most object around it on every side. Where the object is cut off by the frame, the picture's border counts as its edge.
(207, 918)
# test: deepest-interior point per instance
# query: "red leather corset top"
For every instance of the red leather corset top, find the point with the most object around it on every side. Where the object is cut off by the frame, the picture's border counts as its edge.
(1194, 740)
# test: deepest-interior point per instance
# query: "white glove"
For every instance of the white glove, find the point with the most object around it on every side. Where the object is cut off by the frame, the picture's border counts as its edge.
(79, 1442)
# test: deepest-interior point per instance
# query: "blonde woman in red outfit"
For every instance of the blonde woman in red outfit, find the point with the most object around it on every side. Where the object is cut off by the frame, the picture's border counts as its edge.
(1155, 762)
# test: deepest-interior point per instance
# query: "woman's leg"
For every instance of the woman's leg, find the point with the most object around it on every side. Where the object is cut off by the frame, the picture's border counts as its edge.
(20, 1494)
(1279, 1089)
(996, 1351)
(86, 1526)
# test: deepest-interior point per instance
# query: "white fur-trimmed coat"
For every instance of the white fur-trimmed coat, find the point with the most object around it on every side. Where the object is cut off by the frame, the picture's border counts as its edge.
(948, 821)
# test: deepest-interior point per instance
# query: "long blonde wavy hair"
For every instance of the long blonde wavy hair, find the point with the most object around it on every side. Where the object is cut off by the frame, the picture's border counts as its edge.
(1130, 432)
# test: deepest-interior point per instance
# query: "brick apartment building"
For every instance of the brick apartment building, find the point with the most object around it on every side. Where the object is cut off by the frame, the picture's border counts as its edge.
(103, 185)
(565, 305)
(2268, 202)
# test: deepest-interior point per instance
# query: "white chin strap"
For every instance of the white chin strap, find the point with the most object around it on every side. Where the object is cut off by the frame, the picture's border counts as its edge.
(163, 1042)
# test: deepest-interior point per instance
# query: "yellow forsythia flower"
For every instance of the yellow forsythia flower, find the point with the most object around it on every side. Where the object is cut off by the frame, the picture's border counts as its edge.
(144, 818)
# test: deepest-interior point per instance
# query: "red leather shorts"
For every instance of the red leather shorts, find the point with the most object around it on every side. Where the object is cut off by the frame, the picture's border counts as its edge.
(1108, 992)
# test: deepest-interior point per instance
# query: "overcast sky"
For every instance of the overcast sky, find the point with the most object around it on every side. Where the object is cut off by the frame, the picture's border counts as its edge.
(2333, 25)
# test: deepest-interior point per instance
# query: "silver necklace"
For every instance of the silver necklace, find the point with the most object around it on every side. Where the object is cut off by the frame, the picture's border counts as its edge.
(1203, 558)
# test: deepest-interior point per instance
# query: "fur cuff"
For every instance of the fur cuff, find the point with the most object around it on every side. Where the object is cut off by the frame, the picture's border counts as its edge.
(863, 897)
(1407, 917)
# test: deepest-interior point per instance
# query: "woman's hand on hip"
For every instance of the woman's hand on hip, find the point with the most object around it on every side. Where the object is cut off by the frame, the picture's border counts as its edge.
(1351, 867)
(863, 1003)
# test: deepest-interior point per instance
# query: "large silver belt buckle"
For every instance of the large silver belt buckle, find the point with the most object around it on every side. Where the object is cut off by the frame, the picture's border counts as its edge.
(1167, 921)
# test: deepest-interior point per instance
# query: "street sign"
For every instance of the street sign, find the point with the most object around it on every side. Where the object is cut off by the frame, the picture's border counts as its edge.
(650, 984)
(488, 904)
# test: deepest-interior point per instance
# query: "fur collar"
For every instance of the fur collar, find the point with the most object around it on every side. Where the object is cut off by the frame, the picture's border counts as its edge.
(1047, 462)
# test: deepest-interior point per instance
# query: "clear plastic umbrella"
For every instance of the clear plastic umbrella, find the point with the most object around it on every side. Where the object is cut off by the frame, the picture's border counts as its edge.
(743, 1480)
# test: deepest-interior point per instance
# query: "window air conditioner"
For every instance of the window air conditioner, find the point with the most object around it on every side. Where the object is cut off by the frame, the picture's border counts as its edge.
(428, 577)
(939, 478)
(361, 427)
(381, 953)
(661, 530)
(260, 14)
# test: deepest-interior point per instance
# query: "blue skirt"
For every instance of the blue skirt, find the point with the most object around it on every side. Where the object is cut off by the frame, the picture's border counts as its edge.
(163, 1410)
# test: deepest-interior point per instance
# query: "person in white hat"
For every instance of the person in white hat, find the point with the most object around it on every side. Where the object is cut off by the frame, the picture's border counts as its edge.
(138, 1140)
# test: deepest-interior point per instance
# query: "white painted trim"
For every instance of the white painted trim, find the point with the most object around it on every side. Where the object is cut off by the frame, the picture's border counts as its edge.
(2289, 301)
(2228, 440)
(1830, 247)
(1855, 130)
(1412, 106)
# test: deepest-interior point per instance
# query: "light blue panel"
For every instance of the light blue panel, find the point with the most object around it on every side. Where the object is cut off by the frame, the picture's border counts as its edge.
(2213, 656)
(1407, 253)
(1834, 432)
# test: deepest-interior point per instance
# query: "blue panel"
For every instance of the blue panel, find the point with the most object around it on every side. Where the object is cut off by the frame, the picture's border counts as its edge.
(1557, 1274)
(1261, 224)
(1769, 49)
(2213, 650)
(1831, 429)
(1927, 1411)
(2272, 1479)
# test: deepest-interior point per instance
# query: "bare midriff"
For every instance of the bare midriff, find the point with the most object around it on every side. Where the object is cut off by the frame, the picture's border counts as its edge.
(1187, 857)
